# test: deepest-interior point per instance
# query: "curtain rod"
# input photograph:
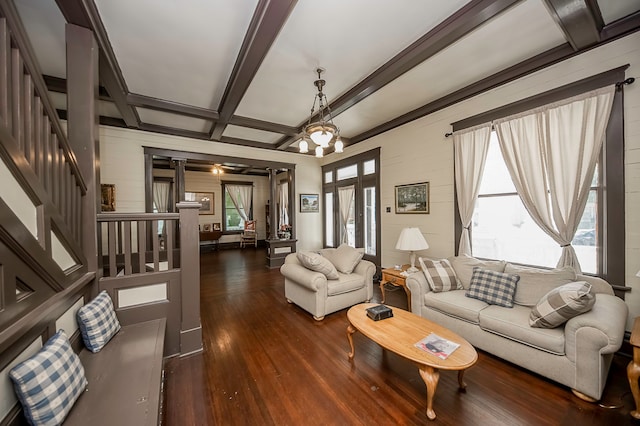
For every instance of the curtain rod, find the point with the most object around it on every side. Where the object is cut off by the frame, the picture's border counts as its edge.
(618, 85)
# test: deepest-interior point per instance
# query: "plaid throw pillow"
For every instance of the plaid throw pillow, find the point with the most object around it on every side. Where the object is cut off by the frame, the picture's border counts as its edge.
(440, 275)
(561, 304)
(98, 322)
(494, 288)
(50, 382)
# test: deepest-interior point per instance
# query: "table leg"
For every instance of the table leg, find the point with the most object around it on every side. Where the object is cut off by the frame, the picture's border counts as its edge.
(382, 283)
(430, 376)
(633, 372)
(461, 382)
(350, 331)
(408, 292)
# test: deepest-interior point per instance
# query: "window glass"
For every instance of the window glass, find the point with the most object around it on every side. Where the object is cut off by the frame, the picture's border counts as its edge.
(328, 177)
(328, 218)
(369, 167)
(370, 220)
(232, 219)
(347, 172)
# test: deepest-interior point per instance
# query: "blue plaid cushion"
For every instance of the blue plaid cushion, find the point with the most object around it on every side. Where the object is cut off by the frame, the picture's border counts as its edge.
(495, 288)
(98, 322)
(50, 382)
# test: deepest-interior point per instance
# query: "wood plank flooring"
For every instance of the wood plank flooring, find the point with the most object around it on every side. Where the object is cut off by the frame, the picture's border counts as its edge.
(266, 362)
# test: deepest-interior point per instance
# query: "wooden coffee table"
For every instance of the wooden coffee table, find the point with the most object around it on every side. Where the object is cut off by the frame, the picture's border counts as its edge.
(399, 335)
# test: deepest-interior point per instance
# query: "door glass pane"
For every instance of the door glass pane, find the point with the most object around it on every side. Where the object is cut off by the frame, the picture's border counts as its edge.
(328, 218)
(347, 172)
(370, 221)
(346, 208)
(369, 167)
(328, 177)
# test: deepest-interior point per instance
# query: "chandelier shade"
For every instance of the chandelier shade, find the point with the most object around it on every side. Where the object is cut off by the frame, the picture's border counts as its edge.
(322, 131)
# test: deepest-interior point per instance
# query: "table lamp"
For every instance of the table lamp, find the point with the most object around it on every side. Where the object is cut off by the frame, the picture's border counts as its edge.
(411, 239)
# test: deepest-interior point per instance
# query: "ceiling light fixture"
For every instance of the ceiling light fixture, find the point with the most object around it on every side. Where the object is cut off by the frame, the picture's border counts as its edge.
(322, 131)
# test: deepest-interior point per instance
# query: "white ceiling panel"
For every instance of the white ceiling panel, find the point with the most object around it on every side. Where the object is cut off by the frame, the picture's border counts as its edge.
(520, 33)
(179, 51)
(251, 134)
(350, 39)
(168, 119)
(612, 10)
(45, 25)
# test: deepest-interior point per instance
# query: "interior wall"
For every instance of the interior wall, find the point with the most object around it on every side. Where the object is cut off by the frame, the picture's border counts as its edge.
(122, 164)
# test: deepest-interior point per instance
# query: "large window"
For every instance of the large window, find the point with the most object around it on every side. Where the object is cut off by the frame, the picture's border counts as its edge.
(503, 229)
(237, 206)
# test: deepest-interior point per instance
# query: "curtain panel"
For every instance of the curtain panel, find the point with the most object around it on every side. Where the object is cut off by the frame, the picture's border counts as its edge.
(551, 153)
(241, 197)
(345, 198)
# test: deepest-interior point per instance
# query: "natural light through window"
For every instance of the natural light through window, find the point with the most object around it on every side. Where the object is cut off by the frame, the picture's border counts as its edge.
(503, 229)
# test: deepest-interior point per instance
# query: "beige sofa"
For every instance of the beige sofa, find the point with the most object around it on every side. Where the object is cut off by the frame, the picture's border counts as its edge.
(320, 296)
(577, 354)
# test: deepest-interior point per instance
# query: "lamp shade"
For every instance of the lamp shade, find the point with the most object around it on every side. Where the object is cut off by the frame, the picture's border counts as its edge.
(411, 239)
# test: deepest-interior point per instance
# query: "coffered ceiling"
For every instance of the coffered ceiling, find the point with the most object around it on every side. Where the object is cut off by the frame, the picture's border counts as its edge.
(242, 71)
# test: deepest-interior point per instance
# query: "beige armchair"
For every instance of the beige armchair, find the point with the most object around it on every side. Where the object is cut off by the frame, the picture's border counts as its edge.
(315, 293)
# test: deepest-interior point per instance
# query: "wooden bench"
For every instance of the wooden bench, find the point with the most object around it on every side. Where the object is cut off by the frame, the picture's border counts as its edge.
(125, 379)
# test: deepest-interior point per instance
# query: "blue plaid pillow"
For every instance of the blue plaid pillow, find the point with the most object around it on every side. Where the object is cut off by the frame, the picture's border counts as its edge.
(50, 382)
(98, 322)
(495, 288)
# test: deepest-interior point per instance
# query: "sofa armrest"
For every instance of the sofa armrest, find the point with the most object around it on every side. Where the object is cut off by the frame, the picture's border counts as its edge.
(296, 273)
(604, 325)
(366, 269)
(418, 285)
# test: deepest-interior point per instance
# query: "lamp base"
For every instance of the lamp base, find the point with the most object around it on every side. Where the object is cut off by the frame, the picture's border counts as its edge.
(412, 269)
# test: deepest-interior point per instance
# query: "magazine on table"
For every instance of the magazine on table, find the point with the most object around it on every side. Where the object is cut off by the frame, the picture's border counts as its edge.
(439, 346)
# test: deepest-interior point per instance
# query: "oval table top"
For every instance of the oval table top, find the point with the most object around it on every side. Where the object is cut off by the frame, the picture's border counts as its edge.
(401, 332)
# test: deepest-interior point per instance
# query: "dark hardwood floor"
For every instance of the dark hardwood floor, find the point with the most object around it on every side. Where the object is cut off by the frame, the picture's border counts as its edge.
(266, 362)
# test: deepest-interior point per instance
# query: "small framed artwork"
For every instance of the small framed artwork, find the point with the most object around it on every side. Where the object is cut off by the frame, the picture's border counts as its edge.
(108, 197)
(412, 198)
(216, 226)
(204, 198)
(206, 227)
(309, 203)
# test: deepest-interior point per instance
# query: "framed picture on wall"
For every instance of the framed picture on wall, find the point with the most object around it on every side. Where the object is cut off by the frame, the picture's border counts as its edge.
(204, 198)
(412, 198)
(309, 203)
(108, 197)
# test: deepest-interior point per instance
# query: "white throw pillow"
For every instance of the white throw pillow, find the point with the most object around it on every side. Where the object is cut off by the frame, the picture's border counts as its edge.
(317, 263)
(345, 258)
(535, 283)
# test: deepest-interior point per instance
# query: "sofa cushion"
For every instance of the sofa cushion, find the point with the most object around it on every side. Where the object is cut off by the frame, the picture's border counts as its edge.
(561, 304)
(535, 283)
(495, 288)
(344, 284)
(440, 275)
(454, 303)
(317, 263)
(345, 258)
(50, 382)
(514, 324)
(463, 265)
(98, 322)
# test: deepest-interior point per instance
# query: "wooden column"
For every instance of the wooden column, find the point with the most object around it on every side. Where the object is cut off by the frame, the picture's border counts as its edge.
(190, 326)
(82, 129)
(179, 164)
(273, 211)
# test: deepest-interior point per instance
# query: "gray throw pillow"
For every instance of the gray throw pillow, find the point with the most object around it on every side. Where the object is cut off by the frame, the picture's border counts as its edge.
(440, 275)
(463, 265)
(317, 263)
(345, 258)
(561, 304)
(494, 288)
(535, 283)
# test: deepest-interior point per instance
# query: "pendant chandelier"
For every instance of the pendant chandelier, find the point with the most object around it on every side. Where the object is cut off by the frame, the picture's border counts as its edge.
(322, 131)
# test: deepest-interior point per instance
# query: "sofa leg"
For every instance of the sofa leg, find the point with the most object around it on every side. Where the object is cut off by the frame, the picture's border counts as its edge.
(583, 396)
(318, 318)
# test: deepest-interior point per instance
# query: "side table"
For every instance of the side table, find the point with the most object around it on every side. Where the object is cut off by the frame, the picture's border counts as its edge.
(633, 369)
(394, 277)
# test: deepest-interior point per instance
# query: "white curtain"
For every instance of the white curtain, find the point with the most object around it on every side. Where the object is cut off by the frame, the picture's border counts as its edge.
(283, 202)
(241, 196)
(345, 199)
(161, 196)
(470, 154)
(551, 153)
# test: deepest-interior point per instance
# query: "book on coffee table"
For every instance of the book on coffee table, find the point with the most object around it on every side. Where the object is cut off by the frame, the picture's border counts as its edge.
(438, 346)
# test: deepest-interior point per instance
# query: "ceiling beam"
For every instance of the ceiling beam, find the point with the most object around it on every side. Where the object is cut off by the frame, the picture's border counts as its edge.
(268, 19)
(579, 20)
(85, 14)
(59, 85)
(170, 106)
(263, 125)
(473, 15)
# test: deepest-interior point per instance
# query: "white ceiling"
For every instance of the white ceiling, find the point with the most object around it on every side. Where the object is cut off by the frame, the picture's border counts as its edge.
(186, 55)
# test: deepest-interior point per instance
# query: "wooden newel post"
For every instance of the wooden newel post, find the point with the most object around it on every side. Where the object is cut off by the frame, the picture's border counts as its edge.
(190, 328)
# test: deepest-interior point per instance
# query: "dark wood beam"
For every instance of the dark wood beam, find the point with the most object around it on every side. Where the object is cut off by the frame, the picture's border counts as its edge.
(268, 19)
(468, 18)
(621, 27)
(85, 14)
(170, 106)
(579, 20)
(245, 142)
(59, 85)
(105, 121)
(263, 125)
